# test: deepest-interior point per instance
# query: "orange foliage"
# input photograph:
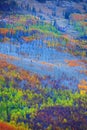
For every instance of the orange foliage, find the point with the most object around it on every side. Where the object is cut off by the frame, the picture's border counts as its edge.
(74, 41)
(78, 17)
(84, 61)
(72, 63)
(5, 57)
(12, 31)
(5, 39)
(24, 75)
(83, 85)
(48, 64)
(32, 79)
(28, 39)
(4, 31)
(4, 64)
(6, 126)
(15, 72)
(84, 23)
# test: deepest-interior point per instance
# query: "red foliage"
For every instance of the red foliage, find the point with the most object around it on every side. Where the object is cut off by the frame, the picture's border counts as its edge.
(6, 126)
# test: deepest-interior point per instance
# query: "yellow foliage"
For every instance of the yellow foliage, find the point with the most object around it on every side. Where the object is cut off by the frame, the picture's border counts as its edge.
(82, 87)
(82, 92)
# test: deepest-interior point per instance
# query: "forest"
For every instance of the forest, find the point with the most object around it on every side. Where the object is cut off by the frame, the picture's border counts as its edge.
(43, 65)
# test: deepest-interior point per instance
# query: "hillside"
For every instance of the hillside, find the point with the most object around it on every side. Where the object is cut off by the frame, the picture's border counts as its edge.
(43, 65)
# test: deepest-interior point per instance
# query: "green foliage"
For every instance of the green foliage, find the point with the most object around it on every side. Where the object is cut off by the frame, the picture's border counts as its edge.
(46, 29)
(16, 104)
(19, 105)
(60, 98)
(2, 81)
